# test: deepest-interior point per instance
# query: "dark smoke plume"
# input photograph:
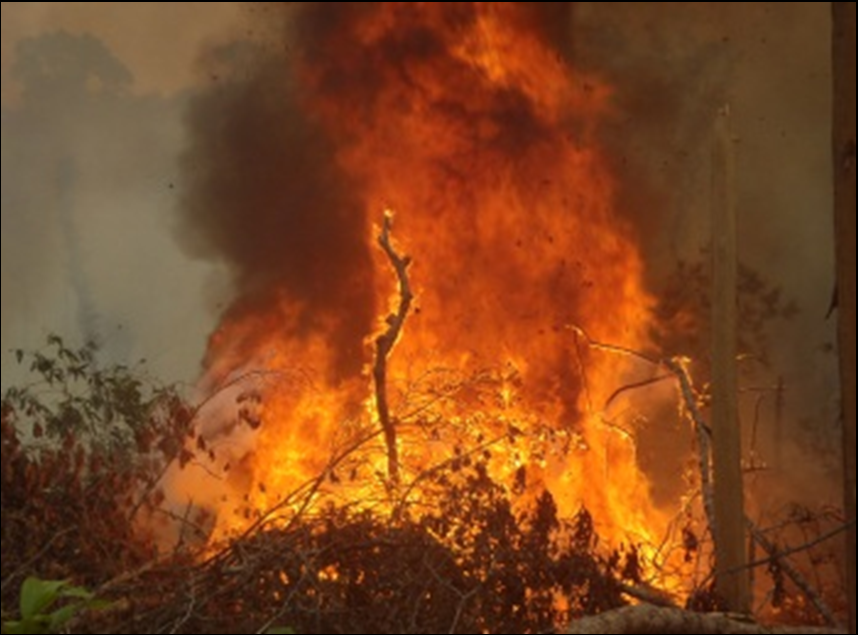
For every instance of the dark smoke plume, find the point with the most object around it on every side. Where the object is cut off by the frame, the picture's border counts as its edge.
(263, 193)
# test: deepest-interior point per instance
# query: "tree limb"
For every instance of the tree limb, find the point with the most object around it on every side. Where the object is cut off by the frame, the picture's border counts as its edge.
(703, 432)
(384, 344)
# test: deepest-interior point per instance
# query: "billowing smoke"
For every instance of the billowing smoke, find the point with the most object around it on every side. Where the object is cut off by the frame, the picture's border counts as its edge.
(263, 192)
(265, 195)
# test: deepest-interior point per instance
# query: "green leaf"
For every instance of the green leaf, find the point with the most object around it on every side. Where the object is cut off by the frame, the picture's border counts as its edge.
(38, 595)
(61, 616)
(34, 626)
(14, 628)
(76, 592)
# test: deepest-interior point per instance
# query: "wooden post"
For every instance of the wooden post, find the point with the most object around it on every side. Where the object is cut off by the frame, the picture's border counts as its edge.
(733, 582)
(844, 196)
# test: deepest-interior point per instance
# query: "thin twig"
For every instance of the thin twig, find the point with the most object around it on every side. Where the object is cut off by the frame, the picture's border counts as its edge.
(635, 386)
(794, 574)
(435, 469)
(29, 563)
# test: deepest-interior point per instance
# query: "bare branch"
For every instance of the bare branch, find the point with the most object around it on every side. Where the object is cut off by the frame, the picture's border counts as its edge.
(635, 386)
(29, 563)
(703, 432)
(676, 368)
(794, 574)
(784, 553)
(384, 344)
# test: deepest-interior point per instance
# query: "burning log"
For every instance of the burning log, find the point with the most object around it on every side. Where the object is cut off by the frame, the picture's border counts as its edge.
(384, 344)
(653, 619)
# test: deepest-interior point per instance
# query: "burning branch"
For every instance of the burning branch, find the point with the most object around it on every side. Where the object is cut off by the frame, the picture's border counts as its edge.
(703, 431)
(675, 367)
(384, 344)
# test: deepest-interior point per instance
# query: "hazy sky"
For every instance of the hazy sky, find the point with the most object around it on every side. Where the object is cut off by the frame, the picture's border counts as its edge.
(159, 42)
(94, 97)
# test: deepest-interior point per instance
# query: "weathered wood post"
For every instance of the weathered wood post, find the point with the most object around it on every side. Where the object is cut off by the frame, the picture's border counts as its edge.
(733, 581)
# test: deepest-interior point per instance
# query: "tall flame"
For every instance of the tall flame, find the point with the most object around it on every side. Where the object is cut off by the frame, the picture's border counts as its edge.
(477, 133)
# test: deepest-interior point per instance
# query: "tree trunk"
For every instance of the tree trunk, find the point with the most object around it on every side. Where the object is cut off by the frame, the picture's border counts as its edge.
(652, 619)
(729, 531)
(844, 196)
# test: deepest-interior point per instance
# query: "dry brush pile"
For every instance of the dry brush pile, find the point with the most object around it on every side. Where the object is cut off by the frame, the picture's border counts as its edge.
(83, 450)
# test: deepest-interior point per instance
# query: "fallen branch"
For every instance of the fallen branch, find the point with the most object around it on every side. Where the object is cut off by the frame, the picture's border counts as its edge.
(652, 619)
(384, 344)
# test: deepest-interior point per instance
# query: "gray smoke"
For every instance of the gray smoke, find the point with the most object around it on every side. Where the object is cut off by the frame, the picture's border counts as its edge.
(86, 200)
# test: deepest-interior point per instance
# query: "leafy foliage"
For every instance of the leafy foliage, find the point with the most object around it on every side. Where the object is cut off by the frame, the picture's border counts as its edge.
(37, 606)
(112, 408)
(82, 449)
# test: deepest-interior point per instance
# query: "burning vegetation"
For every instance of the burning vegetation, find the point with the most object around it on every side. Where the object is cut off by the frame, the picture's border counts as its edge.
(420, 414)
(475, 132)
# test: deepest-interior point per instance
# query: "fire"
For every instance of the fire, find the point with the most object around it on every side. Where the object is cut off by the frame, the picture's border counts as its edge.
(461, 119)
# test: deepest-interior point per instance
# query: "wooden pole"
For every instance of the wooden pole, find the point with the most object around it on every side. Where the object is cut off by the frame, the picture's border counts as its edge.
(843, 47)
(733, 583)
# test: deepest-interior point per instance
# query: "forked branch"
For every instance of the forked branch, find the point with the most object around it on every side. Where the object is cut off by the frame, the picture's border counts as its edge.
(384, 344)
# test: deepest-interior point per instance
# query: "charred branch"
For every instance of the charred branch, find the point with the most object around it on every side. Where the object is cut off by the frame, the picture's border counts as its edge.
(384, 344)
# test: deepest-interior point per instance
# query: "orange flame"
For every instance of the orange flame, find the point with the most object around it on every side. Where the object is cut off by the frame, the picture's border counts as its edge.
(480, 136)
